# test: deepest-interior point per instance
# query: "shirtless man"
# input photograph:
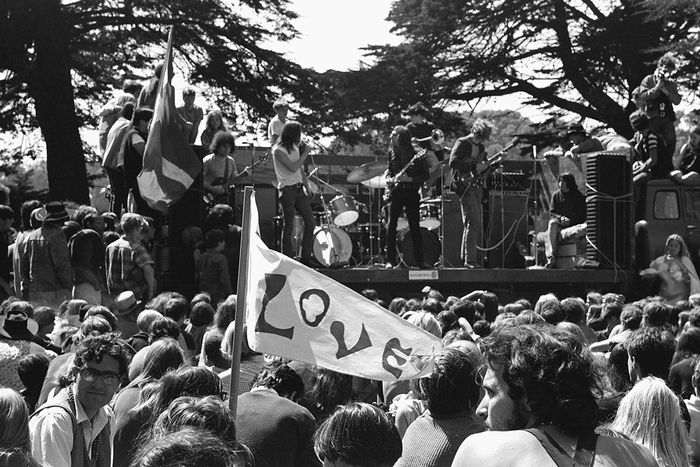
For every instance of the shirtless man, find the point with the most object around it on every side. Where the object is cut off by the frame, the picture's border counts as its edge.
(538, 415)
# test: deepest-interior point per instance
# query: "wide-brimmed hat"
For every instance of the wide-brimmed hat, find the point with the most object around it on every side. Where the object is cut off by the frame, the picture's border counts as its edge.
(55, 212)
(125, 303)
(16, 325)
(575, 129)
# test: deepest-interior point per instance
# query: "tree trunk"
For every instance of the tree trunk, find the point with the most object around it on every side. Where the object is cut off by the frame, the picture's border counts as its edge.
(52, 90)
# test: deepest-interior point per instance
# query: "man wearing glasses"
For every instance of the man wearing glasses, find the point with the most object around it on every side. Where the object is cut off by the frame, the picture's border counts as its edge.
(74, 427)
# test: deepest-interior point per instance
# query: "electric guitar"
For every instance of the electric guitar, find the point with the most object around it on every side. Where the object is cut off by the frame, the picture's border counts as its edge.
(475, 178)
(212, 199)
(390, 186)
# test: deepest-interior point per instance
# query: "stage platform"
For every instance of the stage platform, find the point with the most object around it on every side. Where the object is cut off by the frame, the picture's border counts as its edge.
(509, 284)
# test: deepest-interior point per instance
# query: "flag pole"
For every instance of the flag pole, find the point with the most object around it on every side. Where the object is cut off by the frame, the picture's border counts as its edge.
(241, 301)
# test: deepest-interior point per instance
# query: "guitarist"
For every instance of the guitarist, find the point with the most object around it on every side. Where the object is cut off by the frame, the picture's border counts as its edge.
(467, 161)
(219, 168)
(404, 192)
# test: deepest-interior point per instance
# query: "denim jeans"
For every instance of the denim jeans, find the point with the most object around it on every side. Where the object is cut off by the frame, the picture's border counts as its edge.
(472, 217)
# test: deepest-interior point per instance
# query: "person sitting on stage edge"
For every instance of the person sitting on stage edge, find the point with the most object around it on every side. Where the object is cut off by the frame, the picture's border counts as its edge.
(582, 142)
(689, 170)
(567, 215)
(467, 161)
(404, 193)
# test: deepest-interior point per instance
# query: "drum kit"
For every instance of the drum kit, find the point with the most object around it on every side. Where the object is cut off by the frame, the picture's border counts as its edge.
(348, 233)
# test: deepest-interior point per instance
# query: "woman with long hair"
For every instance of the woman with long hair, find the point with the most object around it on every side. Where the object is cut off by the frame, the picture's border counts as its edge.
(15, 449)
(404, 193)
(214, 121)
(163, 355)
(650, 415)
(679, 279)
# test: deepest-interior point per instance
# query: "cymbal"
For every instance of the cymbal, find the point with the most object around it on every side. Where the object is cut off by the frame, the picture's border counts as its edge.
(437, 200)
(376, 182)
(367, 171)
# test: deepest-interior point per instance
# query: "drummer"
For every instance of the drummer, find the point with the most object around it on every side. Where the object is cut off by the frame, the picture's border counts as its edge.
(288, 158)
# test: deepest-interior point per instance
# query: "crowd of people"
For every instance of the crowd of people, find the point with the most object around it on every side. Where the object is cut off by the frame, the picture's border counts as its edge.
(578, 381)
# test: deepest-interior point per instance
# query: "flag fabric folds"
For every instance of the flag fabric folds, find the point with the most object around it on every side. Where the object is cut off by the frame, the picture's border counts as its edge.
(170, 165)
(296, 312)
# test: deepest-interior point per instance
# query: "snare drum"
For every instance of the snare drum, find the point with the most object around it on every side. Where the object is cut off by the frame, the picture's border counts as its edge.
(332, 246)
(429, 240)
(344, 210)
(430, 216)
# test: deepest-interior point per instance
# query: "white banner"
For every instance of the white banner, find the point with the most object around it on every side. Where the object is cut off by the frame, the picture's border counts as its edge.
(298, 313)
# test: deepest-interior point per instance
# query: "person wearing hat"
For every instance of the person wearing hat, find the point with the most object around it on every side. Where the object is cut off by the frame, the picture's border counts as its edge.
(46, 260)
(690, 159)
(274, 128)
(17, 335)
(127, 309)
(581, 141)
(26, 226)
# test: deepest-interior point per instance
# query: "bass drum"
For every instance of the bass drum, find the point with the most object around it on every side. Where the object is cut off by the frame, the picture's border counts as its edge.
(332, 246)
(431, 246)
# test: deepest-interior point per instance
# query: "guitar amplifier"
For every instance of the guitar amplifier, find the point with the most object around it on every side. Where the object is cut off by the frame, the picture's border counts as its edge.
(506, 232)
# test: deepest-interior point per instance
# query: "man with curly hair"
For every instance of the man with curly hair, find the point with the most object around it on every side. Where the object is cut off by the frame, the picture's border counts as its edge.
(74, 427)
(540, 405)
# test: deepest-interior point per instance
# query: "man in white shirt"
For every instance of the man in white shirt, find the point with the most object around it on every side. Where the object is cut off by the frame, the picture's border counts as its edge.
(274, 129)
(74, 428)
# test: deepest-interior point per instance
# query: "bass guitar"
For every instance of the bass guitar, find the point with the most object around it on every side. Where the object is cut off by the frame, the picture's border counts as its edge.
(212, 199)
(390, 186)
(475, 178)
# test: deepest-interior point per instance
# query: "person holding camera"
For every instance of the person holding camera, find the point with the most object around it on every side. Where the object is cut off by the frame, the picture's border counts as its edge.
(658, 94)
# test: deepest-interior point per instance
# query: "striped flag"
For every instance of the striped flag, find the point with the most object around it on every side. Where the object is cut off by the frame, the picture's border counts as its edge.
(169, 162)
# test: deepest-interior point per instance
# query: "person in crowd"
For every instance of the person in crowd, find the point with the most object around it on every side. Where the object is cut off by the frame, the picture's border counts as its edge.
(161, 328)
(679, 279)
(31, 370)
(274, 128)
(128, 264)
(689, 169)
(192, 115)
(143, 322)
(452, 394)
(110, 112)
(45, 264)
(87, 253)
(397, 306)
(631, 319)
(650, 353)
(575, 311)
(127, 309)
(693, 404)
(214, 123)
(149, 92)
(212, 355)
(219, 168)
(549, 307)
(567, 215)
(177, 308)
(274, 427)
(20, 245)
(7, 218)
(684, 359)
(650, 415)
(659, 93)
(113, 159)
(221, 217)
(653, 157)
(358, 434)
(187, 447)
(467, 160)
(540, 403)
(581, 141)
(17, 336)
(404, 194)
(208, 413)
(163, 356)
(15, 448)
(133, 149)
(201, 316)
(330, 391)
(288, 156)
(74, 427)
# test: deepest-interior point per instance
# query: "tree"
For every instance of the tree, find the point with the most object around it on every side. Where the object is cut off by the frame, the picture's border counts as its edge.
(583, 57)
(54, 55)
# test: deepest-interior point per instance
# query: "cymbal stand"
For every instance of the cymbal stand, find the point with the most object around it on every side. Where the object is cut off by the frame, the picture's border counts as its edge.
(326, 227)
(443, 218)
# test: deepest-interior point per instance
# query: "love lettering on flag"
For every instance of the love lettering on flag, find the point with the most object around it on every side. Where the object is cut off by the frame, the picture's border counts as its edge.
(170, 165)
(298, 313)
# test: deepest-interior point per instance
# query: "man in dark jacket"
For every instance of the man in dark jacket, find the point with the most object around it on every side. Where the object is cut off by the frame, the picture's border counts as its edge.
(567, 212)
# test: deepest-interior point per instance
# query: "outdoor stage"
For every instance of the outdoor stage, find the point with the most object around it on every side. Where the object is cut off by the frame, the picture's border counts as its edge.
(508, 284)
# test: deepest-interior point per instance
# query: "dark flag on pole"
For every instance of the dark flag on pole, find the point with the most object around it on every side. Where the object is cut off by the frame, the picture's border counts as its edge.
(170, 165)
